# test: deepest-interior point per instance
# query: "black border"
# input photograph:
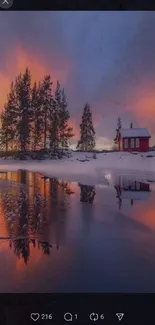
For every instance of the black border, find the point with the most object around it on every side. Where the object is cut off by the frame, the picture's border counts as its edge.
(82, 5)
(138, 309)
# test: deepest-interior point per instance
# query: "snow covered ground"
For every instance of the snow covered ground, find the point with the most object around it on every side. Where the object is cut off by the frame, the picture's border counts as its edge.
(92, 171)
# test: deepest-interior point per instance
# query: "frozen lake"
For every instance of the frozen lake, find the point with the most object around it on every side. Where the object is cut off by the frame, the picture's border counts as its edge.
(68, 237)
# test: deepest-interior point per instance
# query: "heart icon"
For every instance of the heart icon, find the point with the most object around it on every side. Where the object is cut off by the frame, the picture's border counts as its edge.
(35, 316)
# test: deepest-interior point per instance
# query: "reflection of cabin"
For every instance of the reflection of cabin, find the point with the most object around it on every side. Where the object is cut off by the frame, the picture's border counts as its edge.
(132, 190)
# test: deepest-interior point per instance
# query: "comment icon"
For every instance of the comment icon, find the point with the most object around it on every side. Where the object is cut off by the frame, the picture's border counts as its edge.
(68, 317)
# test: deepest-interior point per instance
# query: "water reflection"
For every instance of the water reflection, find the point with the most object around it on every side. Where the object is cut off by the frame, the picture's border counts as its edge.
(30, 206)
(21, 247)
(49, 226)
(87, 194)
(130, 189)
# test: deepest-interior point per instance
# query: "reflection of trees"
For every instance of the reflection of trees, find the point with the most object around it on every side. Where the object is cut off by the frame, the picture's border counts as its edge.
(22, 249)
(38, 214)
(66, 188)
(31, 221)
(60, 190)
(45, 247)
(21, 246)
(29, 214)
(64, 193)
(23, 205)
(118, 196)
(59, 203)
(131, 201)
(23, 176)
(25, 216)
(87, 194)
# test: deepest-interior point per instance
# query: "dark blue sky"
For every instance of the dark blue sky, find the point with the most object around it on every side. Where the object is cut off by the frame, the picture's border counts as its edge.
(105, 58)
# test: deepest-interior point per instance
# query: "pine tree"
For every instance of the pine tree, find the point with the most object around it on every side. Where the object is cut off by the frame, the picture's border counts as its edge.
(8, 121)
(54, 118)
(58, 95)
(65, 132)
(23, 109)
(2, 143)
(87, 132)
(47, 101)
(119, 123)
(54, 127)
(4, 134)
(32, 115)
(119, 126)
(36, 106)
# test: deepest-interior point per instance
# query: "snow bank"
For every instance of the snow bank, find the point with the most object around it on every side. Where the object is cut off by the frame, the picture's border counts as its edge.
(90, 172)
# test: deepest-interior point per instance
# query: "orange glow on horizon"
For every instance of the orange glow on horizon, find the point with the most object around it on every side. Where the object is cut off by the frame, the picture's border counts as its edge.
(142, 105)
(145, 110)
(140, 100)
(21, 60)
(17, 63)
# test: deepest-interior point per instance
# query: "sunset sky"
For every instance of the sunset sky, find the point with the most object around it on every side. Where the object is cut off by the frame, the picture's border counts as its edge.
(105, 58)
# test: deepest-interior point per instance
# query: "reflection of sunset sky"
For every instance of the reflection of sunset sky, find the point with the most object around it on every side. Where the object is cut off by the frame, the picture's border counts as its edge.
(87, 234)
(16, 274)
(3, 228)
(37, 259)
(105, 58)
(145, 213)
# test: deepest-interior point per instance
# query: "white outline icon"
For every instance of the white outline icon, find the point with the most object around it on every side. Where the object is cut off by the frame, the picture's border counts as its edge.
(6, 4)
(68, 317)
(120, 316)
(35, 316)
(93, 317)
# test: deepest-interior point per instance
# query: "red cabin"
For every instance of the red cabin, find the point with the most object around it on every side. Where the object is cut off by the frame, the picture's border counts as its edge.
(133, 139)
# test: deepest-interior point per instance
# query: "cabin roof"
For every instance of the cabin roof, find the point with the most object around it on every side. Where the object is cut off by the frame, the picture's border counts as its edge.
(134, 133)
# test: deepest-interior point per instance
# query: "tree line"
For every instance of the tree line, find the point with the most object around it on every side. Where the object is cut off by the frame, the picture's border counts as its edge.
(34, 114)
(36, 117)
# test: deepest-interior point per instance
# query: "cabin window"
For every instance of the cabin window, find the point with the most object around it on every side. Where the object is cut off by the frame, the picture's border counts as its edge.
(126, 143)
(137, 143)
(132, 143)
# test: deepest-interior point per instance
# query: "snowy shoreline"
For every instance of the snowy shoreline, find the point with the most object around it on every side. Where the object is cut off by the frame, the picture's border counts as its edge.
(92, 171)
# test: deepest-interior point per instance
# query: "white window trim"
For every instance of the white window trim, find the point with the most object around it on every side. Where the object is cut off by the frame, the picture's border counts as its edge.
(132, 143)
(126, 143)
(137, 143)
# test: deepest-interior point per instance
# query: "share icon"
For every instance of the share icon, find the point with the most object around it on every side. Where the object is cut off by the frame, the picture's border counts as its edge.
(120, 316)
